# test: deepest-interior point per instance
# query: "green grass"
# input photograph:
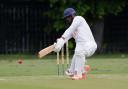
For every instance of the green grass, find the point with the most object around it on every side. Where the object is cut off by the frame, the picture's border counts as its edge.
(107, 72)
(54, 82)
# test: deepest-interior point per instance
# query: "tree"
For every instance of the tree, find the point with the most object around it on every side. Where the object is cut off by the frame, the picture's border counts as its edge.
(94, 12)
(100, 9)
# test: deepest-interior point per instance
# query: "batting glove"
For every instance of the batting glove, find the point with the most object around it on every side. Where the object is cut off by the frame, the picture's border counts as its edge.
(58, 45)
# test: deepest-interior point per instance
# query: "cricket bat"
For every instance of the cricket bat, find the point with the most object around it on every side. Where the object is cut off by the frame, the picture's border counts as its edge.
(45, 51)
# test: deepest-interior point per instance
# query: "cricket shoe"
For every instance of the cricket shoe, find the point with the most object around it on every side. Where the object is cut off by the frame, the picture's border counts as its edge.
(68, 73)
(76, 77)
(87, 68)
(83, 75)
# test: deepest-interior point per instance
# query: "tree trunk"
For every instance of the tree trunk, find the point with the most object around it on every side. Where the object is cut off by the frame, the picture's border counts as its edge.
(98, 30)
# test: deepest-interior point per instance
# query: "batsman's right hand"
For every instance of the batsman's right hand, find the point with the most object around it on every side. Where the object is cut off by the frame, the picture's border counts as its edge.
(58, 45)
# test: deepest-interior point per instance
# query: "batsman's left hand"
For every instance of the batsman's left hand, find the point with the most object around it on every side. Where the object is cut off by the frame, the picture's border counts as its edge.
(59, 44)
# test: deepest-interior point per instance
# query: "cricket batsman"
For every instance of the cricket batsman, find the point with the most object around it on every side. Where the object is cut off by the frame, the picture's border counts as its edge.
(85, 43)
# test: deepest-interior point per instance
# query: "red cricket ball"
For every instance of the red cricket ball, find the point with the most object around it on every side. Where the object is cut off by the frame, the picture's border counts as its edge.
(20, 61)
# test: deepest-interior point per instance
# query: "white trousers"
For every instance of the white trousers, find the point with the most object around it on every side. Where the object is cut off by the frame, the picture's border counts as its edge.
(82, 51)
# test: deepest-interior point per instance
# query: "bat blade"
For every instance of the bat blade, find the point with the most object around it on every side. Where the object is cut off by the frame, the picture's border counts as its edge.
(45, 51)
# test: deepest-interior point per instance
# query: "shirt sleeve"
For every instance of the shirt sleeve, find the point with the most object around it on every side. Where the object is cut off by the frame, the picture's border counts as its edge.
(73, 27)
(69, 37)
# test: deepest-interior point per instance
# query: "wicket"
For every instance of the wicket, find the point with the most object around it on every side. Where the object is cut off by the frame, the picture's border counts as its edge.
(61, 59)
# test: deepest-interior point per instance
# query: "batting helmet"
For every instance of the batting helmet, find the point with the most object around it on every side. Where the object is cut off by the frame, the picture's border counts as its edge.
(68, 12)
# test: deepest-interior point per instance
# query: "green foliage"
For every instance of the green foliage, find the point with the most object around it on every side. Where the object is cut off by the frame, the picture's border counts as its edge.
(70, 44)
(93, 9)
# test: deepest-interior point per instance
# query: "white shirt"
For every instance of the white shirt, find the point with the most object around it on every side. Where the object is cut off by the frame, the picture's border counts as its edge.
(82, 29)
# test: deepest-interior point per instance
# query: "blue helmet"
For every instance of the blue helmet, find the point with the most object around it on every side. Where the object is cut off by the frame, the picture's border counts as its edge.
(68, 12)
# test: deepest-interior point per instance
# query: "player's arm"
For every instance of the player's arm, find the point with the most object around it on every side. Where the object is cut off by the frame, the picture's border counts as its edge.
(60, 42)
(67, 34)
(73, 28)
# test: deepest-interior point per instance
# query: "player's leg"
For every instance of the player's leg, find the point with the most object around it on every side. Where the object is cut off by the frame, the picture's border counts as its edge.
(81, 52)
(89, 51)
(84, 70)
(70, 71)
(79, 65)
(79, 57)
